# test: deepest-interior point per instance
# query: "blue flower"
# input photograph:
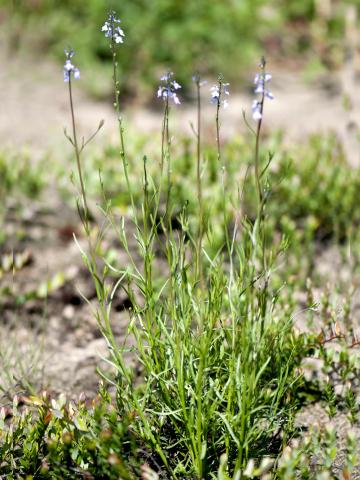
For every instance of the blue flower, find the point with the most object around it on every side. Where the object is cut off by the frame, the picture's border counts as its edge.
(168, 89)
(112, 29)
(260, 81)
(69, 68)
(256, 110)
(216, 93)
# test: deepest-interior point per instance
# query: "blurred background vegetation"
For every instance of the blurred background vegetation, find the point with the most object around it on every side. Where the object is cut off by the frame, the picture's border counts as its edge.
(184, 35)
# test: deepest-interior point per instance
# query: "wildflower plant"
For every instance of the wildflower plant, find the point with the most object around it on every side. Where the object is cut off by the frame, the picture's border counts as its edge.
(216, 355)
(166, 91)
(206, 353)
(260, 81)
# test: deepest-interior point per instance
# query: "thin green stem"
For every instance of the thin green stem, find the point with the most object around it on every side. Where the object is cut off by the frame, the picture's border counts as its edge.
(164, 134)
(121, 127)
(199, 187)
(218, 146)
(257, 158)
(168, 160)
(261, 205)
(78, 157)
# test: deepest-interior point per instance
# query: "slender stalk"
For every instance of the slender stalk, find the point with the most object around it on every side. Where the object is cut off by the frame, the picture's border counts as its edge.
(199, 186)
(120, 124)
(257, 157)
(168, 160)
(165, 155)
(258, 183)
(198, 150)
(261, 203)
(117, 102)
(78, 157)
(257, 140)
(164, 134)
(218, 105)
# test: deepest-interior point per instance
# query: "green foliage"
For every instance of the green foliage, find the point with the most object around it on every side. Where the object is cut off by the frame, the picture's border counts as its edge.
(51, 439)
(160, 34)
(167, 33)
(316, 193)
(219, 375)
(60, 439)
(312, 197)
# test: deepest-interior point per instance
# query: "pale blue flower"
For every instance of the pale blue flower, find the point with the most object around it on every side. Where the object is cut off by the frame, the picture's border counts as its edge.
(260, 81)
(69, 68)
(256, 110)
(112, 29)
(216, 93)
(168, 90)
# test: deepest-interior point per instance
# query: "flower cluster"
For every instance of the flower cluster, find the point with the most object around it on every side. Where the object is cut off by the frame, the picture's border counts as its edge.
(69, 68)
(169, 88)
(112, 29)
(217, 91)
(260, 81)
